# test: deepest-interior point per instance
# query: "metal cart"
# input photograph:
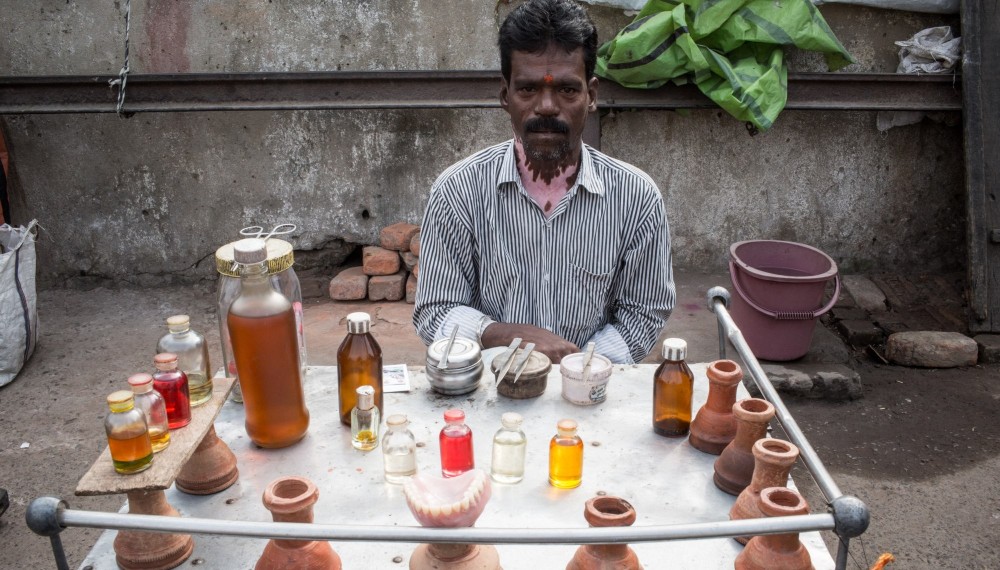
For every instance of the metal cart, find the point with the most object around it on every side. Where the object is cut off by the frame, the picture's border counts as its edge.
(681, 515)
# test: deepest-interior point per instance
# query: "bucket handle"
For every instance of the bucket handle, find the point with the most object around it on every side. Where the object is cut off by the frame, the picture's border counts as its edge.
(784, 315)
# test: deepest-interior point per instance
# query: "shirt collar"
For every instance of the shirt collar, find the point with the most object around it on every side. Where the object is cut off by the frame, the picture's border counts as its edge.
(586, 178)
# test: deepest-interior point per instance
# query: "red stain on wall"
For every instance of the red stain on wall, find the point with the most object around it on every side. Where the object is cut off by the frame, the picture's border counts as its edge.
(166, 24)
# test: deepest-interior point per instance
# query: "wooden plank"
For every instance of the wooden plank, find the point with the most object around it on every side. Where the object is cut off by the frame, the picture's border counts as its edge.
(981, 93)
(102, 479)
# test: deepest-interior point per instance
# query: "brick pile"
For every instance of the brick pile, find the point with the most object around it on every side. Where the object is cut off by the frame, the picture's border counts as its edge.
(388, 271)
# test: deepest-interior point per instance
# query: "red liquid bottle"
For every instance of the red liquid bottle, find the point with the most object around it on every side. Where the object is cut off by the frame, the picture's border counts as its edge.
(456, 445)
(172, 384)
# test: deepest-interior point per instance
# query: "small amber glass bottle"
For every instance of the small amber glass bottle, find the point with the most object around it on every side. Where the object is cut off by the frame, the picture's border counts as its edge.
(565, 456)
(359, 363)
(673, 386)
(128, 437)
(151, 403)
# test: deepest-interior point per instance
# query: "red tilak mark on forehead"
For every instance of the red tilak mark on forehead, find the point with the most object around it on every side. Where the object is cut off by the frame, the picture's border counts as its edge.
(548, 79)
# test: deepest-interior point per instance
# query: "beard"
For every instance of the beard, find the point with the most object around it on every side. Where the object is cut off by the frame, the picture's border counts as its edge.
(546, 152)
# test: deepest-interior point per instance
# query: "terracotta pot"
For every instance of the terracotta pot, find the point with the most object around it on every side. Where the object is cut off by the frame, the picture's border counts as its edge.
(774, 551)
(447, 556)
(211, 469)
(291, 499)
(603, 512)
(137, 550)
(714, 426)
(773, 460)
(734, 468)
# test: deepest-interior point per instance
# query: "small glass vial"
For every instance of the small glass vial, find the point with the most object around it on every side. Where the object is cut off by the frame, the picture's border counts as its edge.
(128, 438)
(172, 384)
(565, 456)
(509, 447)
(399, 449)
(456, 445)
(150, 402)
(673, 386)
(192, 357)
(365, 420)
(359, 363)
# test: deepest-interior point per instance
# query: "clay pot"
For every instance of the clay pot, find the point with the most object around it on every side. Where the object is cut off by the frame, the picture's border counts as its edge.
(211, 469)
(734, 468)
(714, 426)
(446, 556)
(603, 512)
(772, 551)
(774, 459)
(137, 550)
(291, 499)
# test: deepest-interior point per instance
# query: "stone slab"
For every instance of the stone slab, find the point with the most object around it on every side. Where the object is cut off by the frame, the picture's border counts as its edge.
(865, 292)
(860, 332)
(989, 348)
(848, 313)
(932, 349)
(814, 381)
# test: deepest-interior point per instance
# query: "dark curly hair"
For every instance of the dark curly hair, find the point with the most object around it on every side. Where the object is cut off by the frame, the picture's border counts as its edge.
(532, 26)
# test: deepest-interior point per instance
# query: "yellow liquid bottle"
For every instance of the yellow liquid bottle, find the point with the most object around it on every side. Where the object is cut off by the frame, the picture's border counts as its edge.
(128, 436)
(565, 456)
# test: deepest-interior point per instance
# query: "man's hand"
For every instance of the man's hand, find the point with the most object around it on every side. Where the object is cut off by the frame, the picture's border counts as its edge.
(549, 344)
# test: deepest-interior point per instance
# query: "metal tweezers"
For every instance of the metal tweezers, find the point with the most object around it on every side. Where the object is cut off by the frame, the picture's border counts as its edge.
(523, 362)
(507, 358)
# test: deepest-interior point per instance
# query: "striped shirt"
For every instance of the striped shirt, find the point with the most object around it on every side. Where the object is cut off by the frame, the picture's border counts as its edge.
(598, 269)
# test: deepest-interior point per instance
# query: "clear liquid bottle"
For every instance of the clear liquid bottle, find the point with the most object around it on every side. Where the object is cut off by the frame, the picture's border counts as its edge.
(456, 445)
(509, 448)
(565, 456)
(365, 420)
(399, 450)
(359, 363)
(192, 357)
(265, 346)
(128, 438)
(172, 384)
(150, 402)
(673, 387)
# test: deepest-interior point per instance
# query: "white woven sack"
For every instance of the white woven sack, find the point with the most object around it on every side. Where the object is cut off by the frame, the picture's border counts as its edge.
(18, 309)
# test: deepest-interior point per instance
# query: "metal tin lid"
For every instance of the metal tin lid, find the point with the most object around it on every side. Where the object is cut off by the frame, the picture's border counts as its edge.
(675, 349)
(538, 365)
(359, 323)
(464, 353)
(280, 257)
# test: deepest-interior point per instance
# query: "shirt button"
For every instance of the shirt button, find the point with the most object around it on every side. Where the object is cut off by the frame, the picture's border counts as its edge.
(546, 277)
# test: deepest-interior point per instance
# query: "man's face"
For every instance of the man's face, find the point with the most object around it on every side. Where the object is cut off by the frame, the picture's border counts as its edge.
(548, 98)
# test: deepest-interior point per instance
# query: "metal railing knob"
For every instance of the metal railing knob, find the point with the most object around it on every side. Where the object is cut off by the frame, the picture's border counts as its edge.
(717, 293)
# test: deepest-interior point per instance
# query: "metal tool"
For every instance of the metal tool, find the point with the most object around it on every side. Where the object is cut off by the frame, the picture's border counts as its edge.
(258, 231)
(523, 362)
(586, 361)
(443, 363)
(509, 356)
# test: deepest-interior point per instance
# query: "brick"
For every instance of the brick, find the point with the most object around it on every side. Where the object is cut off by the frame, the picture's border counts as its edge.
(866, 293)
(411, 289)
(860, 332)
(349, 285)
(397, 236)
(379, 261)
(931, 349)
(387, 287)
(848, 314)
(415, 244)
(416, 271)
(989, 348)
(409, 260)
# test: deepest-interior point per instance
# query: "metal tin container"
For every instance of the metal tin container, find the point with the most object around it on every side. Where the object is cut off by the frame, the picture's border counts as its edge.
(465, 367)
(533, 380)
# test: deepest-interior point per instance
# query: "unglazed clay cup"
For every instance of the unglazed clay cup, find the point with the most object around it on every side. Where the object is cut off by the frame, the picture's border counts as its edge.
(574, 389)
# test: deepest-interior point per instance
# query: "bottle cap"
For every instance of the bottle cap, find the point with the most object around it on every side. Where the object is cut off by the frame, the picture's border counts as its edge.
(280, 256)
(359, 323)
(397, 420)
(675, 349)
(178, 323)
(566, 427)
(454, 416)
(250, 250)
(120, 401)
(165, 361)
(511, 420)
(366, 397)
(140, 383)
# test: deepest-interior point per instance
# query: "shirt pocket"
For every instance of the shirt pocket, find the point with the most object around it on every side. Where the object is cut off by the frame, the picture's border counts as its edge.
(585, 310)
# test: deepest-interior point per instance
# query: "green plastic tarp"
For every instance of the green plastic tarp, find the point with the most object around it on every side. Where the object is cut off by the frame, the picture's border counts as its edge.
(731, 49)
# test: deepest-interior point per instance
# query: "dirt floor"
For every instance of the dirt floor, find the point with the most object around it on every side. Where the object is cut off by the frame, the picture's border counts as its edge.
(922, 448)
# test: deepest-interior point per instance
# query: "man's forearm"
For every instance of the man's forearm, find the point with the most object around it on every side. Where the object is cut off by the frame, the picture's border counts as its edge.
(549, 344)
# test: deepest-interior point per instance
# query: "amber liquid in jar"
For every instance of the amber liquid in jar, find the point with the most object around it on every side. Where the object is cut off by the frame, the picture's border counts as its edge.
(131, 453)
(566, 458)
(673, 387)
(159, 438)
(267, 356)
(359, 363)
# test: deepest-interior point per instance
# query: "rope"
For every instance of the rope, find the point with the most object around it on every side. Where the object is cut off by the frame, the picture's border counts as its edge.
(122, 80)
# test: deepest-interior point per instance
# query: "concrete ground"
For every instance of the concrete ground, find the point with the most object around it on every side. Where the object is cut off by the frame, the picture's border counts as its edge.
(921, 448)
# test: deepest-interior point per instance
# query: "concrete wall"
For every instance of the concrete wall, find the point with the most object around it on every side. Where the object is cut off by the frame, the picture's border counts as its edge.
(148, 199)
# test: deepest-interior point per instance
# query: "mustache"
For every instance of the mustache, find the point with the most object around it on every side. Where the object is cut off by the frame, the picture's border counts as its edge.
(546, 124)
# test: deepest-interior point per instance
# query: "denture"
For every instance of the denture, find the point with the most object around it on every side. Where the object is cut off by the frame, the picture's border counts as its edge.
(448, 503)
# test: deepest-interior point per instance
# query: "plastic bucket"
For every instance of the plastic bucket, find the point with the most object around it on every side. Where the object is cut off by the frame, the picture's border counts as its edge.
(779, 293)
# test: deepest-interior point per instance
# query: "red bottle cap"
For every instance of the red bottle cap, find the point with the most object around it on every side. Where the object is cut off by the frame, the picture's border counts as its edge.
(453, 416)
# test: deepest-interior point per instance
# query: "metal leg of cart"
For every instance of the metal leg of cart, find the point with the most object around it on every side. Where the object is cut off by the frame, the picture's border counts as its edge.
(850, 513)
